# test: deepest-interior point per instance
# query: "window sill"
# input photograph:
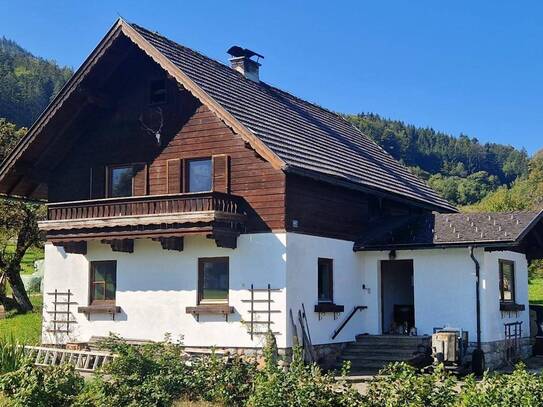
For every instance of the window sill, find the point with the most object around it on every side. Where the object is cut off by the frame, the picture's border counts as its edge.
(210, 309)
(329, 307)
(100, 309)
(511, 307)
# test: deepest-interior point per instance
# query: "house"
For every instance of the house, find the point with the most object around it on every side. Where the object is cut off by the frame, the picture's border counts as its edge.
(189, 198)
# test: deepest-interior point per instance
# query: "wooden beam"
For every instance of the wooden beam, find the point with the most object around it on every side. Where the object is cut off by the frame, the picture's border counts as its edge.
(225, 238)
(171, 243)
(120, 245)
(73, 247)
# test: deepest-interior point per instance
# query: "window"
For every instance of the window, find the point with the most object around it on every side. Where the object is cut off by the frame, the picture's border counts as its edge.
(120, 181)
(507, 281)
(199, 175)
(157, 92)
(103, 282)
(325, 280)
(213, 279)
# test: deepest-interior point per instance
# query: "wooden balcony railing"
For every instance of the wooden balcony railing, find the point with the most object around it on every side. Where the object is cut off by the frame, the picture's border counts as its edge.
(146, 205)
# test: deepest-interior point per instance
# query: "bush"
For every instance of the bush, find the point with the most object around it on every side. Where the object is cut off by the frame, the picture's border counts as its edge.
(55, 386)
(301, 385)
(12, 355)
(147, 375)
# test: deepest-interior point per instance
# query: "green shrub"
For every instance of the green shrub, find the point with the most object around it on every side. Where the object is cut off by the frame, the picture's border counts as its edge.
(400, 384)
(12, 355)
(55, 386)
(147, 375)
(301, 385)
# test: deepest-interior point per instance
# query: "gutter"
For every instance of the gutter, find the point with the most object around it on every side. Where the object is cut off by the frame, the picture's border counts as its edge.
(477, 294)
(478, 356)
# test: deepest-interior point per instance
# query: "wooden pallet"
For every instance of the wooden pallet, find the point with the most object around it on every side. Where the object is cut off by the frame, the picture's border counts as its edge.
(83, 361)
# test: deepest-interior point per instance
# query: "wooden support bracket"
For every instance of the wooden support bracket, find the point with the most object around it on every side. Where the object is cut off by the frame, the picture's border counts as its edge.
(171, 243)
(120, 245)
(73, 247)
(225, 238)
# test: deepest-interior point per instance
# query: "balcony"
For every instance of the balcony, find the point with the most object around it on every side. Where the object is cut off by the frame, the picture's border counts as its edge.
(162, 217)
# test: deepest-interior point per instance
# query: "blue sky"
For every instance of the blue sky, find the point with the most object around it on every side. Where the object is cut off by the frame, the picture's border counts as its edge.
(459, 66)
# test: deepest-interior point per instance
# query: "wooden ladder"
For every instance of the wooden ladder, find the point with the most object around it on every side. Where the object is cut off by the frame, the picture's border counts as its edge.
(83, 361)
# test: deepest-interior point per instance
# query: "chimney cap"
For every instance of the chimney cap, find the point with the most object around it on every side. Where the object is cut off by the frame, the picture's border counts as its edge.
(236, 51)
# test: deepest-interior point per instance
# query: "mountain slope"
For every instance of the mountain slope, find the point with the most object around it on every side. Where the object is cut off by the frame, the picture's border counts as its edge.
(27, 83)
(461, 168)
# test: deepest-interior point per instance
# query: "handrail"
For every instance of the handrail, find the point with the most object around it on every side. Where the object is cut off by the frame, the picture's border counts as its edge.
(346, 320)
(146, 205)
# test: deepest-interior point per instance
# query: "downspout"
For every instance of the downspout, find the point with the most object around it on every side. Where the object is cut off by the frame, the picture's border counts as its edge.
(478, 356)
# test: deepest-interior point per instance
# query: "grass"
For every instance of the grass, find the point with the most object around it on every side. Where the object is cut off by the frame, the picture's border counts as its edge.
(535, 291)
(32, 254)
(25, 328)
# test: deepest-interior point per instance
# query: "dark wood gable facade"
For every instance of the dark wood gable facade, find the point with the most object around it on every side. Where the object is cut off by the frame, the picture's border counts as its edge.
(129, 114)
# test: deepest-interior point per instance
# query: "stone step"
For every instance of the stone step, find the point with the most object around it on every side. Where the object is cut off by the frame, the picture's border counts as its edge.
(365, 365)
(386, 358)
(372, 350)
(380, 355)
(394, 339)
(369, 347)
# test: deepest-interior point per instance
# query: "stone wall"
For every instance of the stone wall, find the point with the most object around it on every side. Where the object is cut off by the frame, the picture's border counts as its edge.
(496, 352)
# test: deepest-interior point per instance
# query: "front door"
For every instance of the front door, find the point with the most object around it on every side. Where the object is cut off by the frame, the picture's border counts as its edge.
(397, 297)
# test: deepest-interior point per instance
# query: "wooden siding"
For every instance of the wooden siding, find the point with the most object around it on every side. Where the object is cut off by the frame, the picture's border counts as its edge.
(323, 209)
(190, 130)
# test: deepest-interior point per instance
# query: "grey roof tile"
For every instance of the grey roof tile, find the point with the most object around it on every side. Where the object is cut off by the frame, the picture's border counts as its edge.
(305, 136)
(442, 229)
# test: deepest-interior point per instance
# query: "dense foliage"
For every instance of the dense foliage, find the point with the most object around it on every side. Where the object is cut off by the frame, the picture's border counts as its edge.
(161, 374)
(27, 83)
(461, 168)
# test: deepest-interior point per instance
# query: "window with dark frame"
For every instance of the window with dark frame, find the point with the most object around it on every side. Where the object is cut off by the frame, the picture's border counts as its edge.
(507, 281)
(157, 92)
(199, 175)
(213, 280)
(325, 280)
(121, 181)
(103, 282)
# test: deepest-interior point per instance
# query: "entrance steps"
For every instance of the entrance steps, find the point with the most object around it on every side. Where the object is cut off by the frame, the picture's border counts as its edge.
(370, 353)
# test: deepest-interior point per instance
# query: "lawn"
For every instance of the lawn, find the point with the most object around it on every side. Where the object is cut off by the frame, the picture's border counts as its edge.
(24, 328)
(535, 291)
(32, 254)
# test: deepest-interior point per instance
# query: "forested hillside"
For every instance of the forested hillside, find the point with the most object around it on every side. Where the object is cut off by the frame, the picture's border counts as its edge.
(461, 168)
(27, 83)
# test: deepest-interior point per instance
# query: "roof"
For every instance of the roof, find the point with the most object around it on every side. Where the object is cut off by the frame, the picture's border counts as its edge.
(295, 135)
(454, 229)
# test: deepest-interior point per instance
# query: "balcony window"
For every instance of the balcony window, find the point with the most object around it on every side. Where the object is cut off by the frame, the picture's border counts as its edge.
(213, 280)
(103, 282)
(121, 181)
(199, 177)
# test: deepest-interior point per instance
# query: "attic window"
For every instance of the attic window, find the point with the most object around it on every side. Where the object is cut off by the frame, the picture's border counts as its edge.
(157, 92)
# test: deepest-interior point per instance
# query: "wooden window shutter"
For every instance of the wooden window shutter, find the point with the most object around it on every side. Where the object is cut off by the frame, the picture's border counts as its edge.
(140, 179)
(98, 182)
(175, 176)
(221, 176)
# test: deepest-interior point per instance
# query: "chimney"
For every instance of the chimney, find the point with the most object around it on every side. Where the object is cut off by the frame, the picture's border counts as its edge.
(241, 61)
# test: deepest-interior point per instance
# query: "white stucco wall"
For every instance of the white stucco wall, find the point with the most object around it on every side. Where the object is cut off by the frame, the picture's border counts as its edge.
(154, 286)
(303, 252)
(492, 318)
(444, 285)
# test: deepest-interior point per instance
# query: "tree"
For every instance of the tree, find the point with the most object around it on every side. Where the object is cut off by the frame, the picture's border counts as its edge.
(18, 233)
(18, 230)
